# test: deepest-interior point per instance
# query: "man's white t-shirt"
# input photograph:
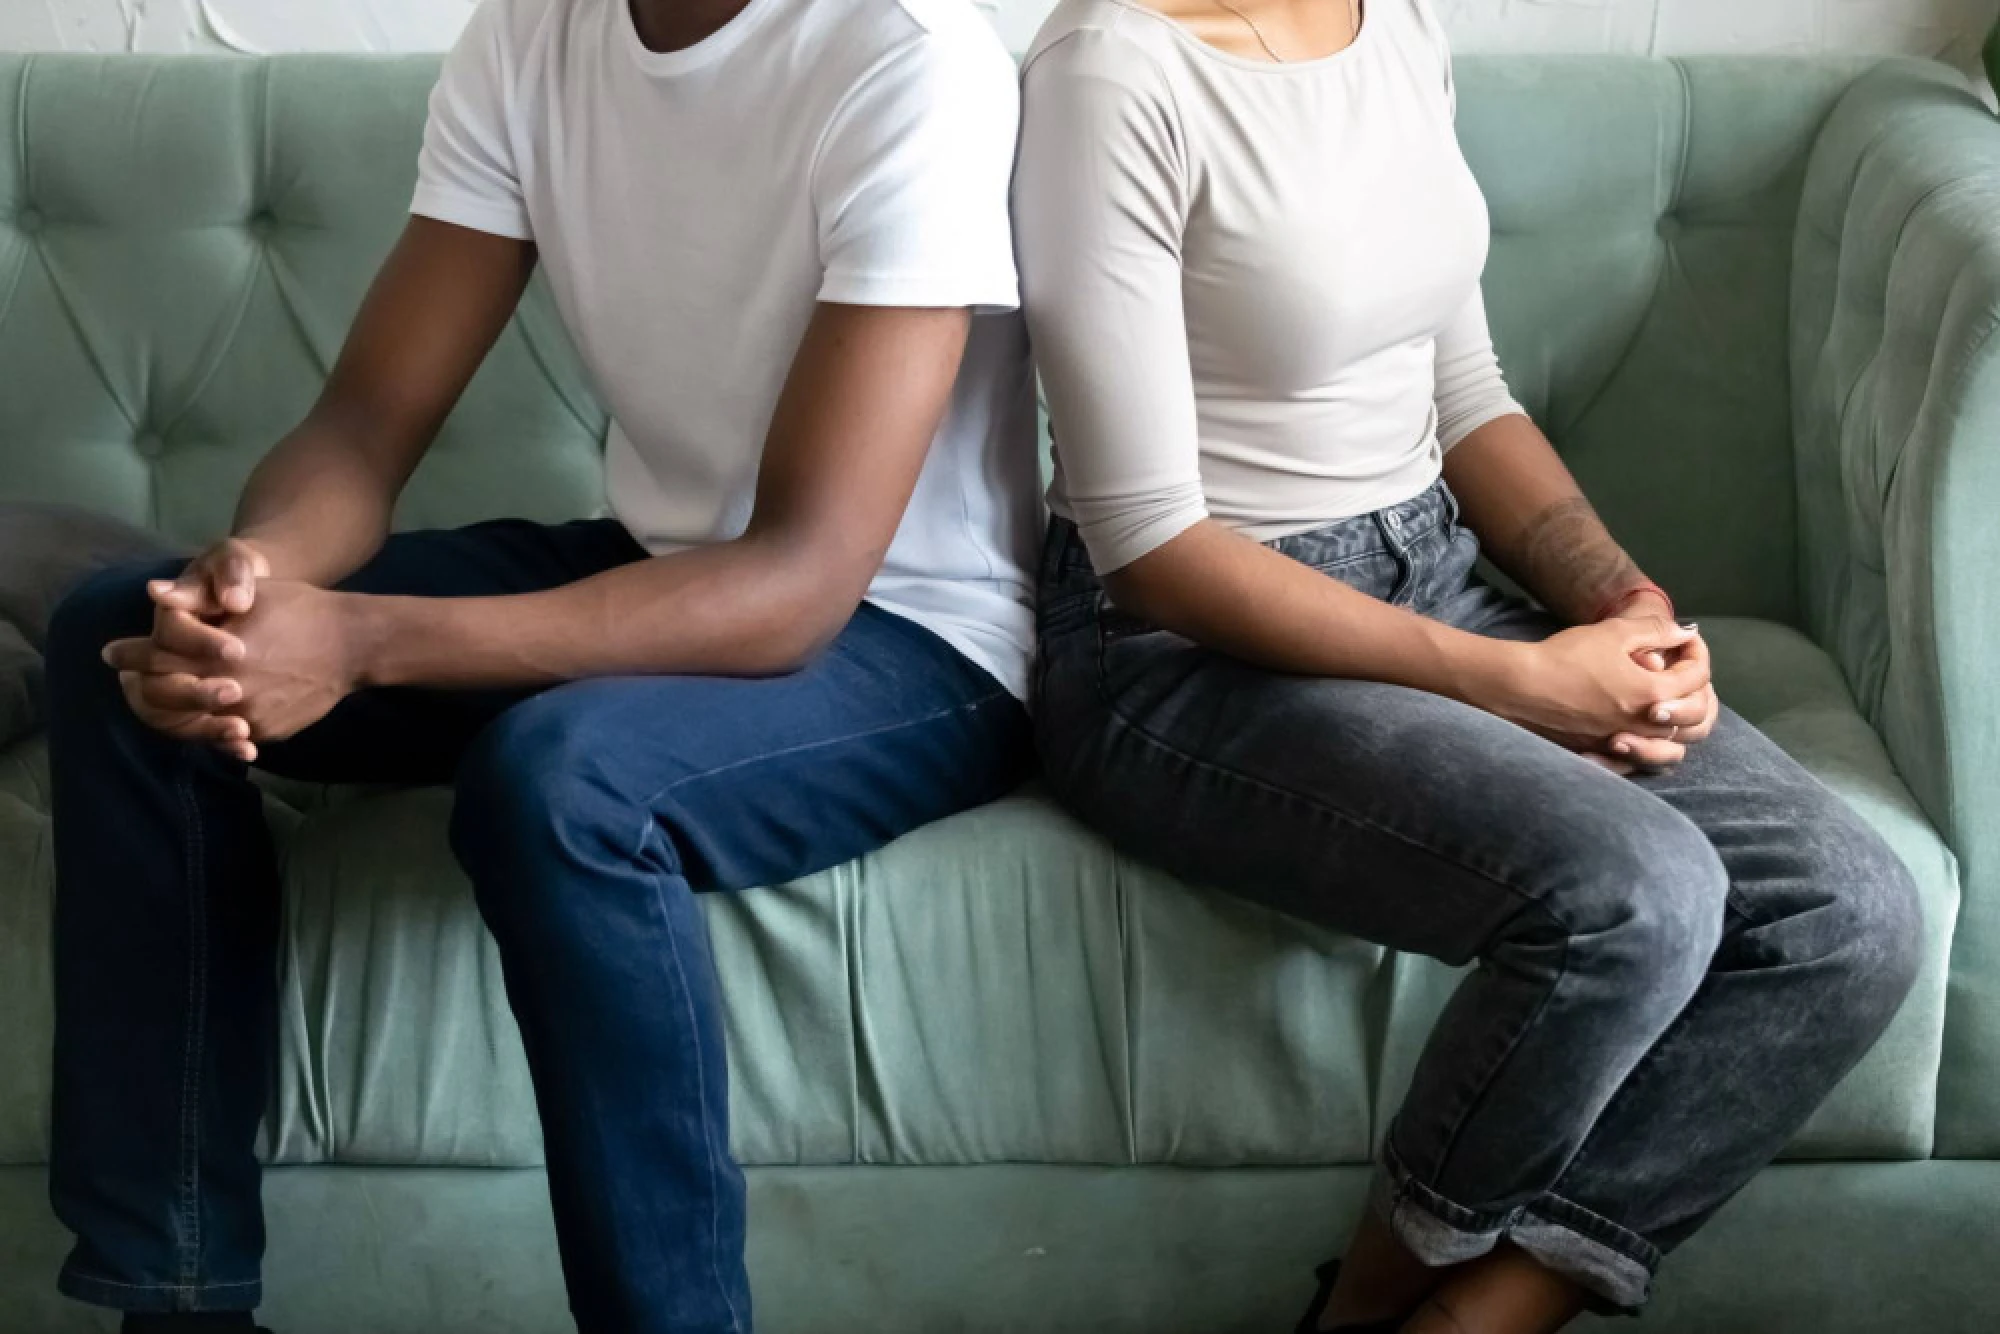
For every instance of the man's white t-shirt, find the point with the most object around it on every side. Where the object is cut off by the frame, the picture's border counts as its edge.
(691, 207)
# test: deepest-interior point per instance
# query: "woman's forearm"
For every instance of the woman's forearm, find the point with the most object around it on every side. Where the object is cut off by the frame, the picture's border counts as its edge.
(1222, 589)
(1534, 522)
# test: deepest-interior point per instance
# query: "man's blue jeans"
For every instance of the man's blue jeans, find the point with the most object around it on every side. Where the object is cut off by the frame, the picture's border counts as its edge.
(587, 816)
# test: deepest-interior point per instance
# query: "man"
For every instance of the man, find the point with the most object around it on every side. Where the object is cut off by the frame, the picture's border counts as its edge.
(777, 232)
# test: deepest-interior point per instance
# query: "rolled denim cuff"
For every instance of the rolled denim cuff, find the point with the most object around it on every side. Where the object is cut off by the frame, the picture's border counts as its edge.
(1614, 1265)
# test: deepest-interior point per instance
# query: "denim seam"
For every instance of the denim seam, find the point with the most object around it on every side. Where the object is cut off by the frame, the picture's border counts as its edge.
(1408, 1188)
(1320, 808)
(1635, 1081)
(190, 1128)
(1342, 562)
(1596, 1227)
(82, 1276)
(1484, 1083)
(701, 1087)
(645, 803)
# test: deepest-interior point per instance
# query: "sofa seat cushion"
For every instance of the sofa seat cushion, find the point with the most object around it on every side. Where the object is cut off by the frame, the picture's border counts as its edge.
(998, 987)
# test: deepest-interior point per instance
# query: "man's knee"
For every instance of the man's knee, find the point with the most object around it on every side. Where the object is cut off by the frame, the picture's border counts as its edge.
(534, 806)
(111, 604)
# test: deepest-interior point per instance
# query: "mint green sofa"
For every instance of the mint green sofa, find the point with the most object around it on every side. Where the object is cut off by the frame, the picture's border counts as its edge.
(996, 1077)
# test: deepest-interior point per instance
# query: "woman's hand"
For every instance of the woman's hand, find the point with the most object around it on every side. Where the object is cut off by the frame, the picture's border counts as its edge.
(1591, 682)
(1687, 720)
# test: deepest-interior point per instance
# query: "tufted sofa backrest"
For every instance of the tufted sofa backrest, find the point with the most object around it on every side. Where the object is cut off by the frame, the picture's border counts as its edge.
(184, 240)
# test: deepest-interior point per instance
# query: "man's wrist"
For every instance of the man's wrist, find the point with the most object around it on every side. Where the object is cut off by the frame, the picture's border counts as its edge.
(273, 554)
(368, 628)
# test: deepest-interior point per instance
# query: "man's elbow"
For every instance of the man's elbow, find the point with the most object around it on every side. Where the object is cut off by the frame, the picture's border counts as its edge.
(819, 599)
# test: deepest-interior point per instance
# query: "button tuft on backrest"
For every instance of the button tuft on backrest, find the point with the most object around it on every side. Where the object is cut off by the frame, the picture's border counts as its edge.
(149, 445)
(29, 220)
(262, 223)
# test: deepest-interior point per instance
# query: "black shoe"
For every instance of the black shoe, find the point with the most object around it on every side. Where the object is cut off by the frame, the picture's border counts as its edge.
(1328, 1274)
(197, 1322)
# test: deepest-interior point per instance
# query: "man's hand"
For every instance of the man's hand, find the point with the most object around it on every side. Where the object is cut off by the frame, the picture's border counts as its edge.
(298, 653)
(183, 703)
(221, 581)
(188, 703)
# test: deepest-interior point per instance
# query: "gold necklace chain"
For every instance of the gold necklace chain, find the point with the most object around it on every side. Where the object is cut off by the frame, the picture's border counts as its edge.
(1353, 16)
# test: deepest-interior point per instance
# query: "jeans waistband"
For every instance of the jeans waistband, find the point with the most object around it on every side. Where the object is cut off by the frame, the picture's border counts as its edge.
(1066, 564)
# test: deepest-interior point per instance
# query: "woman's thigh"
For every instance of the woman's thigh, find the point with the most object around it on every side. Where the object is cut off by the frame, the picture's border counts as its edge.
(1388, 813)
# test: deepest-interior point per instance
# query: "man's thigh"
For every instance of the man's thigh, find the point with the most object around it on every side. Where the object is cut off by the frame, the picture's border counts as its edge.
(756, 780)
(416, 735)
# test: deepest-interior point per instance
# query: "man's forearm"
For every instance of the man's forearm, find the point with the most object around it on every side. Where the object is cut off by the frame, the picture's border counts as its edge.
(319, 504)
(316, 507)
(1536, 525)
(739, 608)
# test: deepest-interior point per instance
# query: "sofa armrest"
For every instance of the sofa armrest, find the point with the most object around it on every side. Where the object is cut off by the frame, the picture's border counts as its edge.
(1896, 411)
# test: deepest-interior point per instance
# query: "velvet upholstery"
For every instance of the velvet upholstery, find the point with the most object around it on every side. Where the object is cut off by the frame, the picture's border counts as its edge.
(995, 1076)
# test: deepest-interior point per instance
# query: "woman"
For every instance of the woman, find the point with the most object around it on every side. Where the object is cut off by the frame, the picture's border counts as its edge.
(1251, 251)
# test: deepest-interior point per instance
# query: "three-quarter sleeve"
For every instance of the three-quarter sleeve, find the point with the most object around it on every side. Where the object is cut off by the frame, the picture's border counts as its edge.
(1471, 390)
(1100, 197)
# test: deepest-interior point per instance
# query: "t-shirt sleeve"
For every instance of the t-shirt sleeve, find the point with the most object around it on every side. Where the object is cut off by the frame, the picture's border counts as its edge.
(1099, 208)
(1471, 390)
(910, 182)
(465, 171)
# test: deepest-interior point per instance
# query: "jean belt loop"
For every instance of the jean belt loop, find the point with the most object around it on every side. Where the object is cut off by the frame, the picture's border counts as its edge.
(1391, 525)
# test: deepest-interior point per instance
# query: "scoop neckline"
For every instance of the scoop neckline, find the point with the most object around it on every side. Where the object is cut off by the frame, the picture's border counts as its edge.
(1231, 59)
(706, 51)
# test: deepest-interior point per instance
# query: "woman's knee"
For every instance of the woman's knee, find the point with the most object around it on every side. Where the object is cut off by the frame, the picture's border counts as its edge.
(1641, 903)
(1863, 916)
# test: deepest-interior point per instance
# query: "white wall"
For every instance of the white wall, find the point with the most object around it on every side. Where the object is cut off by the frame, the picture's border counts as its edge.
(1950, 28)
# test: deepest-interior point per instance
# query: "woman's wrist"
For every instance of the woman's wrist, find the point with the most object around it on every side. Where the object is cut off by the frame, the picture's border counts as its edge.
(1646, 599)
(1484, 672)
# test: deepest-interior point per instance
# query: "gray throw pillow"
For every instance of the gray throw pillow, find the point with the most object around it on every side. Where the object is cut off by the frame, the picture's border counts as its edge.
(46, 550)
(20, 686)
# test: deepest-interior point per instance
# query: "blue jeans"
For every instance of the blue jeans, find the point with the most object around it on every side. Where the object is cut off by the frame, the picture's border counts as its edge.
(588, 817)
(1671, 971)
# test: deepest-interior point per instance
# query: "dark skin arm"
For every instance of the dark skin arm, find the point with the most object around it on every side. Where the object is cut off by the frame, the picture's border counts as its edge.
(1533, 521)
(1217, 587)
(1597, 686)
(319, 504)
(866, 392)
(847, 441)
